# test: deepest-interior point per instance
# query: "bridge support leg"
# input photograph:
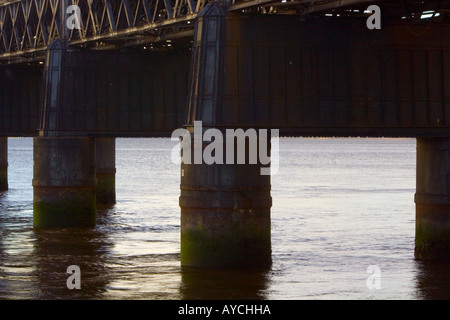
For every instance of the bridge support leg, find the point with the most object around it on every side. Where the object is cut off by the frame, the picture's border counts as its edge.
(64, 182)
(225, 206)
(433, 199)
(225, 216)
(105, 166)
(3, 164)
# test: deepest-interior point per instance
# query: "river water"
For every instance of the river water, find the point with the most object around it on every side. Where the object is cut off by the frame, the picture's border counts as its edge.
(340, 207)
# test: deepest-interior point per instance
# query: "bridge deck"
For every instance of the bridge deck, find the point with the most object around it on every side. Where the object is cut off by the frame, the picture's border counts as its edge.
(326, 78)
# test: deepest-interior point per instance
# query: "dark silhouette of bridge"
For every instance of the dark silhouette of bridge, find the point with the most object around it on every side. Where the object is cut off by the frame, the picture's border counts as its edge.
(143, 68)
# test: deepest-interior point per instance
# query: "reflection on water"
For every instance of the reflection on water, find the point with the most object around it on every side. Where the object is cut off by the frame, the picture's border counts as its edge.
(57, 250)
(340, 205)
(433, 280)
(219, 284)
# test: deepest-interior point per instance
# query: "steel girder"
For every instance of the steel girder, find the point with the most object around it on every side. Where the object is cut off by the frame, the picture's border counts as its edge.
(29, 26)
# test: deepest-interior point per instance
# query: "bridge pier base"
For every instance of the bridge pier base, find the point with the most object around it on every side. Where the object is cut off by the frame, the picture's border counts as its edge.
(432, 199)
(64, 182)
(3, 164)
(225, 215)
(105, 167)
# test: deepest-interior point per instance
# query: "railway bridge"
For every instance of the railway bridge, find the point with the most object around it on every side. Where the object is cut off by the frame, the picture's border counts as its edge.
(76, 74)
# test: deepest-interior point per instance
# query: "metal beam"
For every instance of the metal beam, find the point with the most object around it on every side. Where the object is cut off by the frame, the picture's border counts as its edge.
(29, 26)
(317, 7)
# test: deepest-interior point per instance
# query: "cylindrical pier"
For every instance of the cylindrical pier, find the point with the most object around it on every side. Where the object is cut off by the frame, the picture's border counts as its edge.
(105, 166)
(225, 215)
(3, 164)
(433, 199)
(64, 182)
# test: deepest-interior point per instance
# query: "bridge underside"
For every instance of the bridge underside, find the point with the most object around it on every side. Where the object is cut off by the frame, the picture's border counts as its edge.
(307, 78)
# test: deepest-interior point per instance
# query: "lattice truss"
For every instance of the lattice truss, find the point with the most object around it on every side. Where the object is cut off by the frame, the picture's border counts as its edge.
(28, 26)
(31, 25)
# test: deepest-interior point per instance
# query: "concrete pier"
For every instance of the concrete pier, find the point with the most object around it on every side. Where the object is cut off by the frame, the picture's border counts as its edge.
(3, 164)
(105, 167)
(64, 182)
(432, 199)
(225, 207)
(225, 215)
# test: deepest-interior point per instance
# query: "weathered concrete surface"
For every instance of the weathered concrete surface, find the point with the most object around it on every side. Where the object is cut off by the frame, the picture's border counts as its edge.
(105, 170)
(64, 182)
(433, 199)
(225, 214)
